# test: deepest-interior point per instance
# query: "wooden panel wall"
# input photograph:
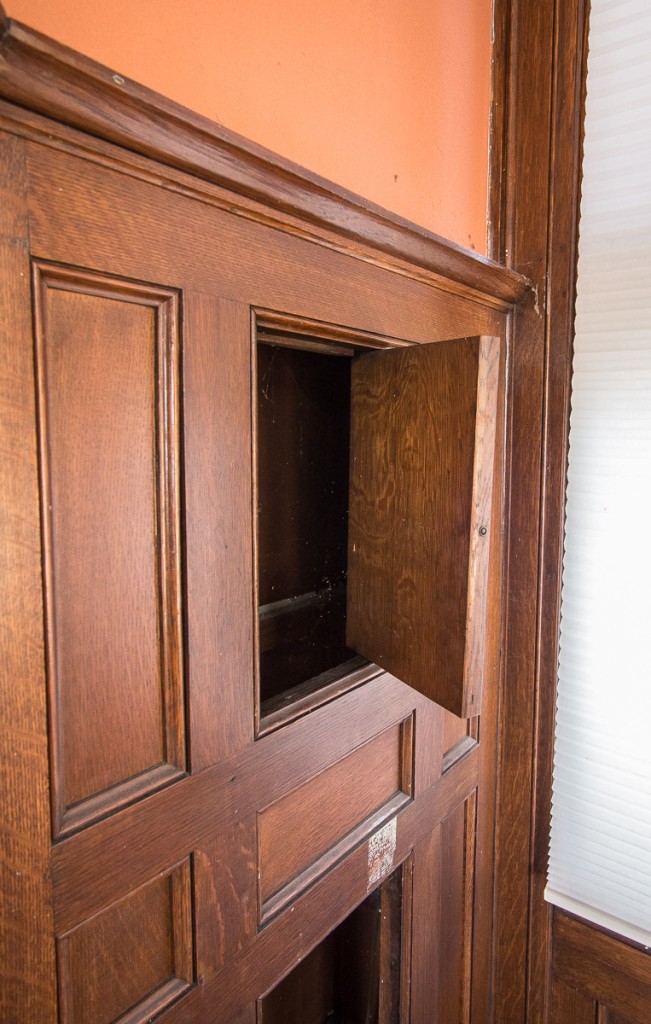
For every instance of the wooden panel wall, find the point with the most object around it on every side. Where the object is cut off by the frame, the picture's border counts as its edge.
(159, 883)
(597, 976)
(107, 367)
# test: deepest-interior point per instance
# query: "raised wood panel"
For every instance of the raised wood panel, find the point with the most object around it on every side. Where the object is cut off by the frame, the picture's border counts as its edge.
(188, 815)
(444, 881)
(611, 971)
(133, 959)
(107, 362)
(287, 938)
(297, 830)
(422, 457)
(455, 926)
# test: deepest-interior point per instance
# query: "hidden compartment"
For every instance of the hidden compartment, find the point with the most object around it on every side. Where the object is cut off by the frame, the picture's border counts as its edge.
(303, 453)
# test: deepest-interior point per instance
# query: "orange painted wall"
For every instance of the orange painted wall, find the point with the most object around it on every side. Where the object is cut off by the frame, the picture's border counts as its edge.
(389, 98)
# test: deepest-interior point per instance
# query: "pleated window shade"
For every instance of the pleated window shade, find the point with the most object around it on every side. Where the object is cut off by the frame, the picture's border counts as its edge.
(600, 850)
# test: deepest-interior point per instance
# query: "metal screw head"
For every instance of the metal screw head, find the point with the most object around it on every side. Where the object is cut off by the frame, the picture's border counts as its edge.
(482, 531)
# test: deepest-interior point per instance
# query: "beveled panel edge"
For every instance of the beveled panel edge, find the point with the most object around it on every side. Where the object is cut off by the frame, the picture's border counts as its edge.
(100, 805)
(228, 792)
(374, 823)
(183, 953)
(319, 908)
(52, 79)
(336, 336)
(274, 905)
(405, 866)
(458, 751)
(67, 819)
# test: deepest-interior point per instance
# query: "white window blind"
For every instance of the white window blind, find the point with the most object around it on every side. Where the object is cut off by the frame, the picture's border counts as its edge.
(600, 850)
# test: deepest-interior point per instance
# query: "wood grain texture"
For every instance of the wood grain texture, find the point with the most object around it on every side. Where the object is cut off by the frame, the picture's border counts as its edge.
(46, 76)
(568, 1006)
(426, 951)
(225, 895)
(571, 50)
(539, 51)
(133, 959)
(296, 830)
(225, 255)
(107, 360)
(27, 951)
(484, 731)
(422, 457)
(286, 939)
(455, 924)
(90, 870)
(265, 268)
(607, 1016)
(605, 968)
(217, 437)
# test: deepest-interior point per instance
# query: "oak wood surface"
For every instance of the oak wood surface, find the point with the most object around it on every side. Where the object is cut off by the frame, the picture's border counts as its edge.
(26, 946)
(568, 1006)
(148, 946)
(426, 950)
(254, 263)
(538, 76)
(51, 78)
(304, 823)
(422, 458)
(218, 537)
(612, 972)
(109, 414)
(99, 212)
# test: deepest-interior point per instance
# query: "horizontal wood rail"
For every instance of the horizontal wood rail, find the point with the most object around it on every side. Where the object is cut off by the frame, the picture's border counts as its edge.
(52, 79)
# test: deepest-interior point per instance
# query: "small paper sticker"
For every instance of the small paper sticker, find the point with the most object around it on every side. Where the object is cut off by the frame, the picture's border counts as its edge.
(381, 850)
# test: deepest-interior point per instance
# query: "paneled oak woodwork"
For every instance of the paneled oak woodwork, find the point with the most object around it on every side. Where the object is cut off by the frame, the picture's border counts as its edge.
(133, 959)
(167, 850)
(107, 356)
(422, 457)
(611, 974)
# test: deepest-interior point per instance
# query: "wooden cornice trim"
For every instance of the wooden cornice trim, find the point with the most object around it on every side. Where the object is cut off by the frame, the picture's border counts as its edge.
(51, 79)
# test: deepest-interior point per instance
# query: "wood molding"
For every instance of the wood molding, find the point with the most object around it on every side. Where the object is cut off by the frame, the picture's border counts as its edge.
(534, 195)
(614, 974)
(51, 79)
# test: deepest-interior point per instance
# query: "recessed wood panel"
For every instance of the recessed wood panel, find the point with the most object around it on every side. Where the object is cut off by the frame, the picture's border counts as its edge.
(610, 970)
(135, 956)
(107, 360)
(422, 459)
(455, 926)
(300, 828)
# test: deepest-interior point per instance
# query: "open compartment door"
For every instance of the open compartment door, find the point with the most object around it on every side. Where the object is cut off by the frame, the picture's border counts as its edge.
(423, 435)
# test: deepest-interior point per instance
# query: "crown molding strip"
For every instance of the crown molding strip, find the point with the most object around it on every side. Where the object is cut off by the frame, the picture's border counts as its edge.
(44, 76)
